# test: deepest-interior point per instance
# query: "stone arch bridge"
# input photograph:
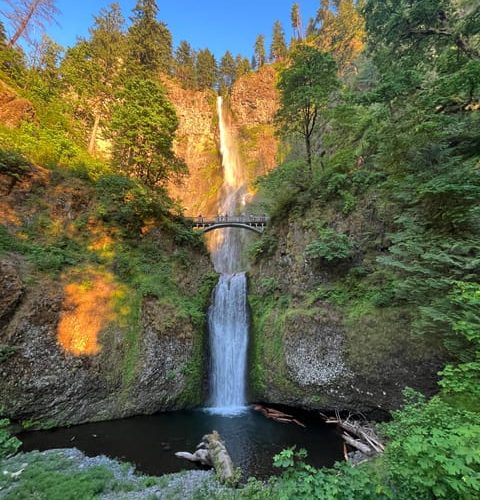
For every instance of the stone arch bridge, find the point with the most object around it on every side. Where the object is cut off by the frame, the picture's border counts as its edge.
(255, 223)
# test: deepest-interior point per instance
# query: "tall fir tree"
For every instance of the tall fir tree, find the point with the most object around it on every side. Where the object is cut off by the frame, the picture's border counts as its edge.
(184, 65)
(206, 70)
(242, 66)
(227, 71)
(341, 31)
(143, 129)
(260, 52)
(150, 41)
(296, 19)
(278, 49)
(94, 68)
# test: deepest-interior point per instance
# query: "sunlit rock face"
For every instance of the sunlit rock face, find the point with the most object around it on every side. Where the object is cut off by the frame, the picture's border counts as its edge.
(86, 310)
(251, 108)
(13, 108)
(197, 144)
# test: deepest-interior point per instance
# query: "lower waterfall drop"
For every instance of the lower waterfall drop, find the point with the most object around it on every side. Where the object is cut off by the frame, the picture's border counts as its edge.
(228, 325)
(228, 314)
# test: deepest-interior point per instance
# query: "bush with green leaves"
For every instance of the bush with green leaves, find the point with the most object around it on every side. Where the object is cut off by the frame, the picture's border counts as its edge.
(330, 246)
(8, 444)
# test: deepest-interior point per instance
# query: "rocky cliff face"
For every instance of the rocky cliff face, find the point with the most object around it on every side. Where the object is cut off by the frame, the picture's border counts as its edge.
(82, 345)
(13, 109)
(313, 348)
(254, 101)
(197, 144)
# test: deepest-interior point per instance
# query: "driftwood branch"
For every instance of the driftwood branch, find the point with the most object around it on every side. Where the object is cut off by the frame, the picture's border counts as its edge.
(277, 415)
(212, 452)
(359, 435)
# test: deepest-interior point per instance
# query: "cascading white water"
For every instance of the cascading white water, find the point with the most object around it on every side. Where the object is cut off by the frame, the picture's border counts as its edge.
(228, 314)
(228, 322)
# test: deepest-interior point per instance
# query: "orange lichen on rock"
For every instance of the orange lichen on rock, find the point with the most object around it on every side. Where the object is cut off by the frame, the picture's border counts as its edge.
(87, 309)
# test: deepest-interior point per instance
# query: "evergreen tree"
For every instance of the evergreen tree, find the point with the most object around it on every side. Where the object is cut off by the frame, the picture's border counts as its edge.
(341, 31)
(93, 68)
(150, 41)
(296, 18)
(278, 49)
(227, 71)
(260, 52)
(206, 70)
(143, 128)
(242, 66)
(253, 63)
(184, 66)
(3, 36)
(306, 87)
(49, 57)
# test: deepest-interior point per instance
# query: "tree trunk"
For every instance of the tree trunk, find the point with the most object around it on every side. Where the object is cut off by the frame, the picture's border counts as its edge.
(93, 136)
(24, 23)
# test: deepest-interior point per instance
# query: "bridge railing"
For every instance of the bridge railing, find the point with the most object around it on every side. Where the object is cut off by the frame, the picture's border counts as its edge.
(230, 219)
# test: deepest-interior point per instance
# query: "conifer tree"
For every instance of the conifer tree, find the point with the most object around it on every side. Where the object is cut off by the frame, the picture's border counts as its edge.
(206, 70)
(242, 66)
(93, 68)
(297, 22)
(143, 128)
(341, 31)
(278, 49)
(150, 41)
(260, 52)
(184, 66)
(227, 70)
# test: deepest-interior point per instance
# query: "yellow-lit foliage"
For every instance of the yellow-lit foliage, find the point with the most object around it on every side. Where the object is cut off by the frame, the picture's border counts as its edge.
(88, 307)
(342, 32)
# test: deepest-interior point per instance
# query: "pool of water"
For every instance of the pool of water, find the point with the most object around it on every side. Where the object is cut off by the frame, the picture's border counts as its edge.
(149, 442)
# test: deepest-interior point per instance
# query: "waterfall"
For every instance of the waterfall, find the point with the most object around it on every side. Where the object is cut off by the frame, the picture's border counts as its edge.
(228, 314)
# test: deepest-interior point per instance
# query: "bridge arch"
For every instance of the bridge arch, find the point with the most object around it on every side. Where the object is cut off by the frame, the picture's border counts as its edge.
(222, 225)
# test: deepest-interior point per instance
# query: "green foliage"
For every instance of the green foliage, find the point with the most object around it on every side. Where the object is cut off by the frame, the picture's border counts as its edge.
(330, 246)
(13, 164)
(305, 89)
(8, 444)
(441, 443)
(143, 128)
(128, 204)
(263, 246)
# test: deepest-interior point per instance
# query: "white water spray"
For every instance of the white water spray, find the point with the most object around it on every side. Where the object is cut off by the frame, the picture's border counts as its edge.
(228, 314)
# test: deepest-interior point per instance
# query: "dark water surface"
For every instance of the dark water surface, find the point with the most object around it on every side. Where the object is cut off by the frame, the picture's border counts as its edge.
(149, 442)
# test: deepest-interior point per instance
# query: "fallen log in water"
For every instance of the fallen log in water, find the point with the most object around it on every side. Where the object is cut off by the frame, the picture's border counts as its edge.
(277, 415)
(358, 435)
(212, 452)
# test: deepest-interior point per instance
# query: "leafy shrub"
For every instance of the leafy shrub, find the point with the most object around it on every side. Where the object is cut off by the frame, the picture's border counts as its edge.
(13, 164)
(128, 204)
(263, 247)
(330, 246)
(8, 444)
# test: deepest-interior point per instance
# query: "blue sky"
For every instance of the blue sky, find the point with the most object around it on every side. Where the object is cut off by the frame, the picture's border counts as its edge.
(219, 25)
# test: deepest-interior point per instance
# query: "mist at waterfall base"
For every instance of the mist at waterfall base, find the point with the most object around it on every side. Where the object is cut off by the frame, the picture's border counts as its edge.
(149, 442)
